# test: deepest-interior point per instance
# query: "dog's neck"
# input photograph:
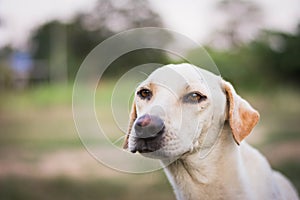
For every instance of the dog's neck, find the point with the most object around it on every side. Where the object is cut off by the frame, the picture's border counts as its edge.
(195, 176)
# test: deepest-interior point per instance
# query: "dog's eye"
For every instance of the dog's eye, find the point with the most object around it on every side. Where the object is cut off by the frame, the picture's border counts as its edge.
(194, 97)
(144, 94)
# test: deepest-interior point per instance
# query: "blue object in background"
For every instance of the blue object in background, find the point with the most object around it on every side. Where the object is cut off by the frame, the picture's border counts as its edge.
(21, 62)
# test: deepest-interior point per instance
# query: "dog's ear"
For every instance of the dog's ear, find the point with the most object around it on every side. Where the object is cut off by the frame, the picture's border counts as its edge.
(132, 118)
(242, 117)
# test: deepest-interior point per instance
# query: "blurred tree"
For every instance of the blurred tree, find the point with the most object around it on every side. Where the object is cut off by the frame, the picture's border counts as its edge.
(278, 54)
(240, 19)
(88, 30)
(118, 15)
(6, 79)
(270, 60)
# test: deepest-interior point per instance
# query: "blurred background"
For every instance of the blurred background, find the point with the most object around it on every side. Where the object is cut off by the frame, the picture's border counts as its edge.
(255, 44)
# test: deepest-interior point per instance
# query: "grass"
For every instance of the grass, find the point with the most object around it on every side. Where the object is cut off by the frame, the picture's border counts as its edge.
(37, 127)
(37, 135)
(36, 97)
(68, 189)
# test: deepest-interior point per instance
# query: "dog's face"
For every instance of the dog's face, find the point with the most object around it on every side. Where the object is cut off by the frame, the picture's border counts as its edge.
(178, 109)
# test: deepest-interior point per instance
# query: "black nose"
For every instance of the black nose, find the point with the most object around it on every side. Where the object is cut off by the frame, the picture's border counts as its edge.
(148, 126)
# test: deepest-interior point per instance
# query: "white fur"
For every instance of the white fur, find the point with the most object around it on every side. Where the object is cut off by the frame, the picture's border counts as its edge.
(208, 163)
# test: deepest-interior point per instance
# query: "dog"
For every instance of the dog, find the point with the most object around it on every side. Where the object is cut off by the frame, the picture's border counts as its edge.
(196, 123)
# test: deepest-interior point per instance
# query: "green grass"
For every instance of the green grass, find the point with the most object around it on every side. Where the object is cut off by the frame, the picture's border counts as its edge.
(19, 188)
(40, 118)
(37, 97)
(38, 122)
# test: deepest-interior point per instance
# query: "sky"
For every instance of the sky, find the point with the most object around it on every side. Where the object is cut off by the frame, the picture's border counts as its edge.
(193, 18)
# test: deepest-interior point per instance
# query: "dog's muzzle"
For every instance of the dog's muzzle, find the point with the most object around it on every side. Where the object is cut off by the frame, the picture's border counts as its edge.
(148, 130)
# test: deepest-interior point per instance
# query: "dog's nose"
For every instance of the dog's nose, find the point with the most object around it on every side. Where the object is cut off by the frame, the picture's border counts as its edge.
(148, 126)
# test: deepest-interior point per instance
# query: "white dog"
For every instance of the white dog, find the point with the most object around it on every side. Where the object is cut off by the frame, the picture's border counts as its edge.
(194, 122)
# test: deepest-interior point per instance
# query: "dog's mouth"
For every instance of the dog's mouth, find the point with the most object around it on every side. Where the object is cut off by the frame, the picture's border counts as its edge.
(148, 145)
(142, 150)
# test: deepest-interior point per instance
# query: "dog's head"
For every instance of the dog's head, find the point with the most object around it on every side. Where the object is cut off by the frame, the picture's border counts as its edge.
(182, 108)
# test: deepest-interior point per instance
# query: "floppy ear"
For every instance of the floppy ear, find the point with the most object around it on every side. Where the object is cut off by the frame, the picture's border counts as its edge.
(242, 117)
(132, 118)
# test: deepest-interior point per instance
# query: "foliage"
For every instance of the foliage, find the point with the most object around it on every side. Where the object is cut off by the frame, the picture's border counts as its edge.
(278, 54)
(270, 60)
(88, 30)
(234, 30)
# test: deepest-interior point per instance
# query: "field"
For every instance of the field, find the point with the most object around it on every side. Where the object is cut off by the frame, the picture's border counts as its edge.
(42, 157)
